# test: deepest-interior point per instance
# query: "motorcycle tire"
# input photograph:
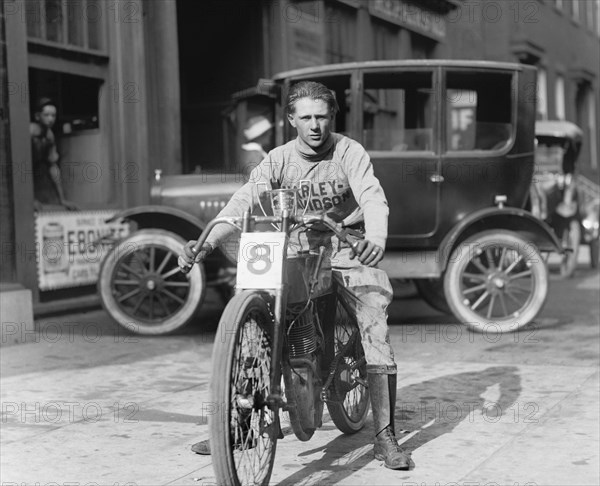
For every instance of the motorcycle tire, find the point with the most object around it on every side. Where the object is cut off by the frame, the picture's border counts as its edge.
(349, 403)
(244, 428)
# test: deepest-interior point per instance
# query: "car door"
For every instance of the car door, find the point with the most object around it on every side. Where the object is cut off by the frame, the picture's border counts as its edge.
(399, 127)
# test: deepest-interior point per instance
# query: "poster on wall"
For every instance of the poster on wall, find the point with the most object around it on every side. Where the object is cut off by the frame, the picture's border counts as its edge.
(71, 246)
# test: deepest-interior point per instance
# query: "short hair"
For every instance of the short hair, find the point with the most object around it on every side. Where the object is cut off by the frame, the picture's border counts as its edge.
(43, 102)
(314, 91)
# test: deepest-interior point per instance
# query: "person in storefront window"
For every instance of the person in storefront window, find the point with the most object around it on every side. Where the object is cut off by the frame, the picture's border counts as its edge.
(47, 183)
(347, 191)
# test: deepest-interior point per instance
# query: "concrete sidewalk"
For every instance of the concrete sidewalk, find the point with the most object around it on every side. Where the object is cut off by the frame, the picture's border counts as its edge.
(84, 401)
(122, 409)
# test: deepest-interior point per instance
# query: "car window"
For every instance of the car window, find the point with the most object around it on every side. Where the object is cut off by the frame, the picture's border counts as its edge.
(398, 111)
(478, 110)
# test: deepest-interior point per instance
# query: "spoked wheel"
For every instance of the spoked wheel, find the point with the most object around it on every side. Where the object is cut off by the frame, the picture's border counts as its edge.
(142, 288)
(349, 400)
(244, 428)
(571, 238)
(496, 281)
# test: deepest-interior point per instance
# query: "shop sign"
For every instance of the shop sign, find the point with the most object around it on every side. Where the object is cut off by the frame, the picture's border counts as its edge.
(409, 16)
(71, 246)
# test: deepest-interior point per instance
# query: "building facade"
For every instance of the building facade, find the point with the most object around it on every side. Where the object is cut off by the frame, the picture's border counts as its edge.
(144, 85)
(560, 37)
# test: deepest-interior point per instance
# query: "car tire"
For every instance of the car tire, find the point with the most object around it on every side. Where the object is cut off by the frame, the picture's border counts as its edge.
(141, 287)
(431, 291)
(496, 266)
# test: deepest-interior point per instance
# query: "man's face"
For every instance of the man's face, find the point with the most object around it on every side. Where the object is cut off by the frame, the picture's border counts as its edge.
(47, 116)
(312, 119)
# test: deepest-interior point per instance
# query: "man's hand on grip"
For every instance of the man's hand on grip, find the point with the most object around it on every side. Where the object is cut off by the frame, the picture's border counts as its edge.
(187, 258)
(367, 252)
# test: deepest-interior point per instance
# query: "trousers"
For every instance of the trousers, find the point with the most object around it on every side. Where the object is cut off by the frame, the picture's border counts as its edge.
(372, 293)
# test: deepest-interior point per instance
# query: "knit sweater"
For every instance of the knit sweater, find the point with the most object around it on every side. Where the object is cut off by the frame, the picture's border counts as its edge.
(342, 185)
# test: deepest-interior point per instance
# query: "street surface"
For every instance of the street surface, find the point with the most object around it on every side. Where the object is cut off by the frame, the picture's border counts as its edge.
(84, 402)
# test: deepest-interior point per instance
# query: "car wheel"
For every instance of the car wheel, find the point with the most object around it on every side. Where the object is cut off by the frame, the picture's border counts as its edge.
(431, 291)
(142, 288)
(594, 252)
(571, 238)
(496, 282)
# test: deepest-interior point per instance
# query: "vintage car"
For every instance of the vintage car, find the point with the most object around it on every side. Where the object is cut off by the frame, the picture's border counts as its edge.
(559, 195)
(452, 143)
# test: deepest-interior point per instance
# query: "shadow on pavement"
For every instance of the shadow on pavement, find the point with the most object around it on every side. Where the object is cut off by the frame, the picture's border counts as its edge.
(437, 406)
(442, 403)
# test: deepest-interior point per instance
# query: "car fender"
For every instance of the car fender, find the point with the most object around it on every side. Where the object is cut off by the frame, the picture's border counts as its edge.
(167, 218)
(163, 217)
(518, 220)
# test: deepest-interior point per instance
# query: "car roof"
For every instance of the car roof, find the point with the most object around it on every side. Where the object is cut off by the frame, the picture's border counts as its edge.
(558, 129)
(348, 66)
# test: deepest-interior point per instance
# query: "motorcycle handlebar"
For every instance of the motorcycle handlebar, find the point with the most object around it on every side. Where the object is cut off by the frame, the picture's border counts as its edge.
(237, 221)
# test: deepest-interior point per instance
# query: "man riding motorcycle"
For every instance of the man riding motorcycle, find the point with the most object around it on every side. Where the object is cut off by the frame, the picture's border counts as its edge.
(343, 186)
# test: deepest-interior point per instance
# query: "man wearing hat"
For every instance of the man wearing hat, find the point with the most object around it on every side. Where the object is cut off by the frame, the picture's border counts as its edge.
(258, 136)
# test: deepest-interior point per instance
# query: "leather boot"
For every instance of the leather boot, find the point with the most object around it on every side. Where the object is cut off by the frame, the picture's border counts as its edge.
(382, 388)
(202, 447)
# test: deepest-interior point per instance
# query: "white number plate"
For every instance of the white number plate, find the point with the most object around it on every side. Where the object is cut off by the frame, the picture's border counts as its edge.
(260, 260)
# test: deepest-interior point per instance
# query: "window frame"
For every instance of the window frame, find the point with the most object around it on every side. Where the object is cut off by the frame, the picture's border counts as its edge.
(508, 145)
(435, 89)
(43, 41)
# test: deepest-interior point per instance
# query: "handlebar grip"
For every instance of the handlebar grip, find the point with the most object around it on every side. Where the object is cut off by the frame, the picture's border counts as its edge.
(195, 251)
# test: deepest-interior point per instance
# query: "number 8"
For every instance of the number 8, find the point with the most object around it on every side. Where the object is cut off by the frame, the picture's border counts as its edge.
(256, 256)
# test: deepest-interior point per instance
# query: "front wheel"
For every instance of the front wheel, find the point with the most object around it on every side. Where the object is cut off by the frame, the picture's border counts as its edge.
(496, 281)
(244, 427)
(349, 400)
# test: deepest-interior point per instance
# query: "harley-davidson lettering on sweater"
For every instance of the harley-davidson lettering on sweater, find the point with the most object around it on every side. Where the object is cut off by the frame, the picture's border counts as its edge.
(336, 180)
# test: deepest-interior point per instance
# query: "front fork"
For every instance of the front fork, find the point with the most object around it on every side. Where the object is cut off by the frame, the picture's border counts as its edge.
(275, 399)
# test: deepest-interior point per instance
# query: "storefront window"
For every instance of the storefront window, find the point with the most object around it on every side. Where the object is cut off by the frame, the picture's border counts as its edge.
(73, 23)
(479, 109)
(559, 94)
(542, 95)
(398, 111)
(589, 14)
(575, 11)
(76, 98)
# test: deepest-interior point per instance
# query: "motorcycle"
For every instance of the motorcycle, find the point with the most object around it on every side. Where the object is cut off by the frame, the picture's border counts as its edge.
(290, 321)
